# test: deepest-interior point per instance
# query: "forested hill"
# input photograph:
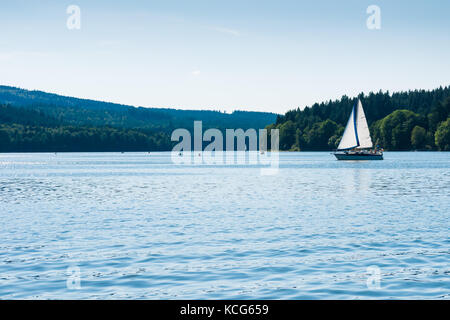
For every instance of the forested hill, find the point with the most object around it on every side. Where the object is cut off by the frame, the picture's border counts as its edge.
(39, 121)
(413, 120)
(76, 111)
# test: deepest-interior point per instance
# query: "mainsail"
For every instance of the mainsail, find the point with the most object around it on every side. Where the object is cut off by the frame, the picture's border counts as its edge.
(362, 129)
(356, 134)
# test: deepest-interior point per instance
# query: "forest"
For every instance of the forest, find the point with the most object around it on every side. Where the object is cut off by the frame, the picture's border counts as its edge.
(36, 121)
(24, 130)
(412, 120)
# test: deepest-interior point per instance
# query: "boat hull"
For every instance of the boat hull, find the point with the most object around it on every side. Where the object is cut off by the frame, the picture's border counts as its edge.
(358, 156)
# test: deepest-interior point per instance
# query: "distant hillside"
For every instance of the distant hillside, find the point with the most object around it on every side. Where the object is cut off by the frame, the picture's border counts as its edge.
(76, 111)
(413, 120)
(32, 121)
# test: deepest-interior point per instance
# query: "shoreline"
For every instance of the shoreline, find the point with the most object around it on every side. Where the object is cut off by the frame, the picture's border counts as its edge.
(168, 151)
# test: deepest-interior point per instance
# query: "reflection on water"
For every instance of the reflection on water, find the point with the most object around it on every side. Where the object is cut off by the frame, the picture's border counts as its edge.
(356, 181)
(138, 226)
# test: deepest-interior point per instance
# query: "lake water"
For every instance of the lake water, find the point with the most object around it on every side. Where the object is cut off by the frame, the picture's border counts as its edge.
(135, 225)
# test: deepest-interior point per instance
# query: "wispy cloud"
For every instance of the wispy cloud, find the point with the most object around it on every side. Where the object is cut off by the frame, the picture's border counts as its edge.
(22, 54)
(108, 43)
(233, 32)
(196, 72)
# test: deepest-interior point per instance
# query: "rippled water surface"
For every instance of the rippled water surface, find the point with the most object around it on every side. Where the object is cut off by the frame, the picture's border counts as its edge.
(138, 226)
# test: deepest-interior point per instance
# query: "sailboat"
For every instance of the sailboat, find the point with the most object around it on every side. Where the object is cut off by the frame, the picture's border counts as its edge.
(356, 143)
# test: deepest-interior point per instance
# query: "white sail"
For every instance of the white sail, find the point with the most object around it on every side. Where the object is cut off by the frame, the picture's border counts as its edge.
(362, 129)
(349, 139)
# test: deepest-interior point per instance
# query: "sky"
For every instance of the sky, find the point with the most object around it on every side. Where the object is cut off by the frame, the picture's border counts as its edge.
(224, 55)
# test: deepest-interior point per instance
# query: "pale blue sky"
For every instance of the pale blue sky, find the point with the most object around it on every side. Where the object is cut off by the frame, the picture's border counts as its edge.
(224, 55)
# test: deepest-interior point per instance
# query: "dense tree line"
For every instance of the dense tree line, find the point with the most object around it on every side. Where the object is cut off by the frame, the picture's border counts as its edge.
(20, 138)
(83, 112)
(37, 121)
(24, 130)
(414, 120)
(31, 131)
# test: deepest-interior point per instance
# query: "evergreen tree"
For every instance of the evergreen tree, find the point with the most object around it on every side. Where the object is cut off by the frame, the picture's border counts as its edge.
(392, 118)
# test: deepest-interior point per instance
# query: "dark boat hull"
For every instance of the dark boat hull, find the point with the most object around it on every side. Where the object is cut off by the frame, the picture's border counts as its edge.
(358, 156)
